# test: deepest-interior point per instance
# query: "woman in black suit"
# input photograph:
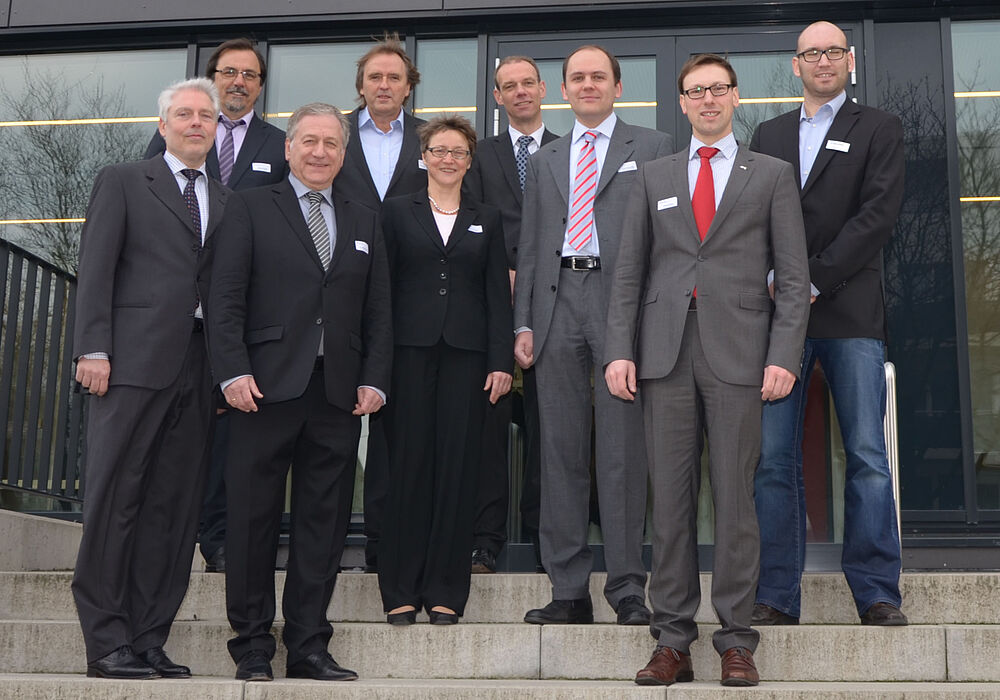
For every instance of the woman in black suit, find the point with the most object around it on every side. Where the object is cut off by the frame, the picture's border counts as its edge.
(453, 336)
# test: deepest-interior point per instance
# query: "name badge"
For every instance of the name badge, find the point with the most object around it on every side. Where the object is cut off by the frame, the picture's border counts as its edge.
(668, 203)
(362, 246)
(261, 167)
(421, 164)
(628, 167)
(476, 228)
(841, 146)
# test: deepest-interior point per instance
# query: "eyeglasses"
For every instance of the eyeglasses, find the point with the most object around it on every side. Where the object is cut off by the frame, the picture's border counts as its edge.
(248, 75)
(698, 91)
(440, 152)
(836, 53)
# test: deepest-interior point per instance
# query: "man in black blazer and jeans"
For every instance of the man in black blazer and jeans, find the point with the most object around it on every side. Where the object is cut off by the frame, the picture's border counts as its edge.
(849, 160)
(300, 334)
(252, 154)
(497, 178)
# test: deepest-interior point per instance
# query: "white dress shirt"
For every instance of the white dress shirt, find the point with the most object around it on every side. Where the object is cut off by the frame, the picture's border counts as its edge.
(722, 164)
(536, 138)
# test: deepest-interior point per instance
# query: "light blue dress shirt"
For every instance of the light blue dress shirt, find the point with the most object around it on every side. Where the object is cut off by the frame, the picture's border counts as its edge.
(604, 131)
(812, 133)
(381, 148)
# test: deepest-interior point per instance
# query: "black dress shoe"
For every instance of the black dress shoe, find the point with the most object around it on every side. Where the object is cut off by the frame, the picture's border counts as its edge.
(158, 659)
(632, 610)
(885, 615)
(216, 564)
(579, 611)
(442, 618)
(401, 619)
(483, 561)
(320, 666)
(254, 666)
(764, 615)
(121, 663)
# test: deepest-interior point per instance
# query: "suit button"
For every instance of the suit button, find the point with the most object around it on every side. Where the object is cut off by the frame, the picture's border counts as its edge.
(442, 291)
(514, 249)
(319, 322)
(444, 261)
(444, 275)
(701, 259)
(553, 288)
(559, 253)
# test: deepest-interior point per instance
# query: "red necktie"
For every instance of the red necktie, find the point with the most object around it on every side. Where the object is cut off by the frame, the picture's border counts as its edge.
(581, 210)
(703, 201)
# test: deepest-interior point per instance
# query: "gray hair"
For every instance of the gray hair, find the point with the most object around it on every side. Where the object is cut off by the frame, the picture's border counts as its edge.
(203, 84)
(317, 109)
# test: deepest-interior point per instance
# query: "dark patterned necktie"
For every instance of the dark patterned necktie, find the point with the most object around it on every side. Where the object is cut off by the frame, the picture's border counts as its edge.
(521, 157)
(227, 154)
(317, 228)
(191, 199)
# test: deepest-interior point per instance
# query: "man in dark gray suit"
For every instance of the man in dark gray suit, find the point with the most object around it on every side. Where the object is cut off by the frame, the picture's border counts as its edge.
(247, 152)
(497, 178)
(574, 202)
(691, 326)
(144, 258)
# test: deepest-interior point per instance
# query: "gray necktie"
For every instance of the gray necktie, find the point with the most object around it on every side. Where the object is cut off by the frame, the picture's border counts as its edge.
(521, 157)
(227, 154)
(318, 230)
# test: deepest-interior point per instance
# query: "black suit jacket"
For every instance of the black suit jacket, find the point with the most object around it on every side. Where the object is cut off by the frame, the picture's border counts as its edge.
(457, 292)
(271, 300)
(849, 203)
(492, 179)
(142, 270)
(355, 181)
(261, 160)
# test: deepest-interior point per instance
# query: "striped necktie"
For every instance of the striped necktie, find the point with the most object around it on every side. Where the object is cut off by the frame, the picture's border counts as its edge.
(317, 228)
(581, 208)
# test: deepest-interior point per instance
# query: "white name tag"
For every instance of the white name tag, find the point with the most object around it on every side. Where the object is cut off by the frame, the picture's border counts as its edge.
(422, 165)
(361, 245)
(627, 167)
(667, 203)
(261, 167)
(476, 228)
(841, 146)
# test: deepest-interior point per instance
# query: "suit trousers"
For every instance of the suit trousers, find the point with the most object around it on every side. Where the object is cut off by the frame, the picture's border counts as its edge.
(434, 425)
(212, 533)
(145, 466)
(320, 443)
(680, 409)
(531, 481)
(565, 368)
(376, 485)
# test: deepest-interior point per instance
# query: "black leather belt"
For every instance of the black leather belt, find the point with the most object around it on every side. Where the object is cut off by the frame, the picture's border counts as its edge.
(693, 304)
(582, 262)
(199, 326)
(318, 365)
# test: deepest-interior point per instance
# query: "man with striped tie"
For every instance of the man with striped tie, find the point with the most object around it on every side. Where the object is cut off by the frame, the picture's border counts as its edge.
(575, 194)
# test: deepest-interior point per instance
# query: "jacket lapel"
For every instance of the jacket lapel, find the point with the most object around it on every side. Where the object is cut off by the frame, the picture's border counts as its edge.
(738, 178)
(504, 151)
(619, 150)
(356, 154)
(559, 167)
(845, 120)
(164, 186)
(409, 152)
(421, 208)
(466, 217)
(252, 142)
(286, 201)
(343, 237)
(679, 174)
(217, 196)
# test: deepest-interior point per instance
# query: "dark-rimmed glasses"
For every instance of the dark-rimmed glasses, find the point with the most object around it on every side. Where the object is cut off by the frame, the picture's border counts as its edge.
(698, 91)
(440, 152)
(231, 73)
(835, 53)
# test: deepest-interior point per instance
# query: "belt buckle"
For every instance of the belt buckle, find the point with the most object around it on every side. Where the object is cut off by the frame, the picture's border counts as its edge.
(580, 262)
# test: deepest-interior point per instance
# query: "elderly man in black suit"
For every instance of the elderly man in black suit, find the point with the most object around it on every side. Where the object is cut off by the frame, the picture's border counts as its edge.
(497, 178)
(301, 336)
(849, 162)
(144, 257)
(383, 160)
(248, 152)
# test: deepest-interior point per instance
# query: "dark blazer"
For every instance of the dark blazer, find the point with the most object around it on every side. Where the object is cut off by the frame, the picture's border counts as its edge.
(458, 292)
(355, 182)
(271, 300)
(142, 270)
(492, 179)
(263, 147)
(849, 203)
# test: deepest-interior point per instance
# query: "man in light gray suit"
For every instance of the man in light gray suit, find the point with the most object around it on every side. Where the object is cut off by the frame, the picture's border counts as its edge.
(575, 192)
(690, 318)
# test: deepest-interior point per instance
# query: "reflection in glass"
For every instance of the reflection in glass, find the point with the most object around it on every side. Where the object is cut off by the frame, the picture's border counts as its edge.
(767, 88)
(977, 69)
(298, 74)
(48, 167)
(448, 74)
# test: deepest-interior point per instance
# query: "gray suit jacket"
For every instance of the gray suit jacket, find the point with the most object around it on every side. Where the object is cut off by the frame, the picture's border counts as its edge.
(758, 226)
(142, 270)
(546, 207)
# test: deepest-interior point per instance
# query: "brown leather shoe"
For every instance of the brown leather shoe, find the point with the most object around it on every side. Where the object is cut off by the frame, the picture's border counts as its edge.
(738, 667)
(766, 615)
(885, 615)
(667, 666)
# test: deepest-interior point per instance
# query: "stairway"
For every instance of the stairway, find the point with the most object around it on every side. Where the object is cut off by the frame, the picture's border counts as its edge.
(950, 650)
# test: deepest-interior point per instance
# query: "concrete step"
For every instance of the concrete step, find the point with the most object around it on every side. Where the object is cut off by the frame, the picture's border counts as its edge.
(835, 653)
(928, 598)
(47, 687)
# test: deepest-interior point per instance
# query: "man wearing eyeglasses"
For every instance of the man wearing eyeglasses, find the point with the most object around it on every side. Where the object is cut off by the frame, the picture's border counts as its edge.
(694, 335)
(248, 152)
(849, 163)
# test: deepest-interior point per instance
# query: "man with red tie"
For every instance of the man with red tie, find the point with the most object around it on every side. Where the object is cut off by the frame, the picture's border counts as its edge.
(693, 333)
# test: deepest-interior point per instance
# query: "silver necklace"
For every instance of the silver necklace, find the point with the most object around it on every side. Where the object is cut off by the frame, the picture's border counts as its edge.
(443, 211)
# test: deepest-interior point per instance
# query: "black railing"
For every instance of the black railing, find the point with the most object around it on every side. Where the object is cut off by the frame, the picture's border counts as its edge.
(41, 414)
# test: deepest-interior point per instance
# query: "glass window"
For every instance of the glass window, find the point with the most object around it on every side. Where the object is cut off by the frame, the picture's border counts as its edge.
(767, 87)
(291, 79)
(977, 108)
(448, 73)
(62, 118)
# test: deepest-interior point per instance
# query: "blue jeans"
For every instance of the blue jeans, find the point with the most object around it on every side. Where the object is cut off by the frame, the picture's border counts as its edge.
(871, 559)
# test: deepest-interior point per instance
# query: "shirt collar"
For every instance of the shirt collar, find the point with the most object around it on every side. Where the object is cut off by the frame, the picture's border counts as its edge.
(301, 189)
(247, 118)
(727, 147)
(606, 127)
(832, 107)
(176, 164)
(364, 118)
(536, 135)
